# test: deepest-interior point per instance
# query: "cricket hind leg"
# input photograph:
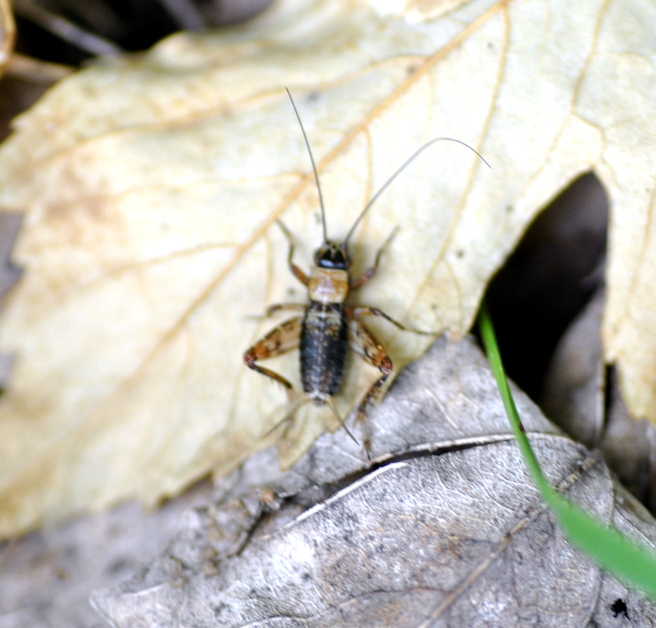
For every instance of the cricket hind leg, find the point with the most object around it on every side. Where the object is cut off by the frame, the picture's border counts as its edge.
(365, 344)
(280, 340)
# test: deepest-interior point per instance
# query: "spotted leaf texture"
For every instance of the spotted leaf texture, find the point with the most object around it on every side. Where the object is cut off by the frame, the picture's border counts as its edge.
(151, 185)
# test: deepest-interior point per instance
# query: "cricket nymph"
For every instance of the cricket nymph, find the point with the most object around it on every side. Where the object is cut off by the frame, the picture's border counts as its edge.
(326, 330)
(324, 335)
(327, 327)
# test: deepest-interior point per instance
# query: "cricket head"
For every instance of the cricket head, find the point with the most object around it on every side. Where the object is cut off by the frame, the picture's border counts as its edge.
(332, 256)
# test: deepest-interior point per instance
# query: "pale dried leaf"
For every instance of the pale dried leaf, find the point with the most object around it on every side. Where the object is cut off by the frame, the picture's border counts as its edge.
(153, 184)
(622, 72)
(454, 535)
(7, 32)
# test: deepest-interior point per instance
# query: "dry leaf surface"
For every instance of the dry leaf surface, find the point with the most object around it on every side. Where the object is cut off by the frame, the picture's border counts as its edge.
(7, 32)
(46, 576)
(451, 535)
(575, 384)
(9, 274)
(152, 184)
(584, 399)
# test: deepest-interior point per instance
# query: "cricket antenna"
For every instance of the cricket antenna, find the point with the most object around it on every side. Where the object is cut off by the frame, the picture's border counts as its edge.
(316, 174)
(375, 197)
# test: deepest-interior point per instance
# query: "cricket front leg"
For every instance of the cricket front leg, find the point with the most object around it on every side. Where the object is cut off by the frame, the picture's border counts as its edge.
(280, 340)
(296, 271)
(371, 271)
(365, 344)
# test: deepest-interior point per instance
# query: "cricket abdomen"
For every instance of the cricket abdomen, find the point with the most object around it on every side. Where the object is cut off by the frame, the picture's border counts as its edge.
(324, 341)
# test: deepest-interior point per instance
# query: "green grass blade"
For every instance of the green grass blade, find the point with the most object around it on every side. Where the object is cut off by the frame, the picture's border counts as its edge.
(605, 545)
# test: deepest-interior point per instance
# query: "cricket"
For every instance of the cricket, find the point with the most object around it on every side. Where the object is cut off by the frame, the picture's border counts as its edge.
(328, 326)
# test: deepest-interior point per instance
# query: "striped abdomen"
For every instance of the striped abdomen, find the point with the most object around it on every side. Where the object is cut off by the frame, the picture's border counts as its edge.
(324, 341)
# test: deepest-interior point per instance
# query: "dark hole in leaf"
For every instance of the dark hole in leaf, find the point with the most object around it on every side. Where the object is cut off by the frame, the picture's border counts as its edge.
(548, 279)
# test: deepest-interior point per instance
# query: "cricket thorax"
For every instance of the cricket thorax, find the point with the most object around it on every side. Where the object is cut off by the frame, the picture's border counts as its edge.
(328, 286)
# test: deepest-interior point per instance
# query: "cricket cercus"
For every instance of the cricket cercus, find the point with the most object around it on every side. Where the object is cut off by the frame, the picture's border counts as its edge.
(328, 325)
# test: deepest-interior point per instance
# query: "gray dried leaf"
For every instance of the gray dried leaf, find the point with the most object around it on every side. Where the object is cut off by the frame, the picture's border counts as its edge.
(9, 274)
(46, 576)
(444, 529)
(574, 384)
(629, 446)
(9, 227)
(584, 399)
